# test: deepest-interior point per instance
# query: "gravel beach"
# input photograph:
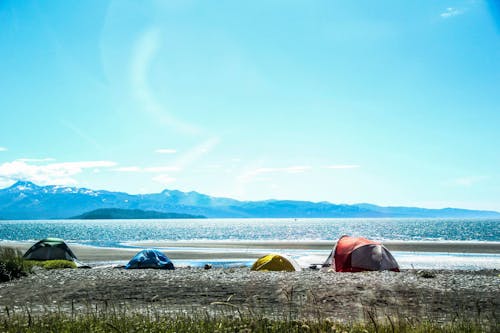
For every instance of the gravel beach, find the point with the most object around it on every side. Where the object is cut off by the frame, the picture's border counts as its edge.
(437, 295)
(411, 294)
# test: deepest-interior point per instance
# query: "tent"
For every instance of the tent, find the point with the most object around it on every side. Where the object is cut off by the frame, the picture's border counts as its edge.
(150, 258)
(357, 254)
(275, 262)
(50, 249)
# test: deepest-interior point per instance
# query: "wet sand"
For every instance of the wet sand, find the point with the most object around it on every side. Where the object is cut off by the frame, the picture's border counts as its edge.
(411, 246)
(107, 254)
(250, 249)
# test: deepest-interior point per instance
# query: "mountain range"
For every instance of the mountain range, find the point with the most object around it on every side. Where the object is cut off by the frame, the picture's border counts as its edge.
(26, 200)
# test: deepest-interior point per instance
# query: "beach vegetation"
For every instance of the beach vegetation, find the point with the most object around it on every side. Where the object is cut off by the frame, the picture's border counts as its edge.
(123, 321)
(12, 264)
(52, 264)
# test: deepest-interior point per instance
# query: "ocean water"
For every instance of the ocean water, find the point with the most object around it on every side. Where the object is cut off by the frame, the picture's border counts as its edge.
(116, 232)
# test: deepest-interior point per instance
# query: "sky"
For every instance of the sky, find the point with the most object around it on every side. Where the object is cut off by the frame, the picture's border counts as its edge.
(386, 102)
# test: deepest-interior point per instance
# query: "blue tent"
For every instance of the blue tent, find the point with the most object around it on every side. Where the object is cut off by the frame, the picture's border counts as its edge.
(150, 258)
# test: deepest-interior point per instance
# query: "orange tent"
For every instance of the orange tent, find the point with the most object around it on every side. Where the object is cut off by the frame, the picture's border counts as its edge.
(357, 254)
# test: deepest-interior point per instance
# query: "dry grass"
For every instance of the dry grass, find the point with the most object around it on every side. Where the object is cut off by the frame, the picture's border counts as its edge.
(52, 264)
(12, 264)
(225, 317)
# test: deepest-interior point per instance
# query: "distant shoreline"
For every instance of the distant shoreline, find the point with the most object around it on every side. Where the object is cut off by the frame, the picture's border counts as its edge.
(203, 217)
(131, 214)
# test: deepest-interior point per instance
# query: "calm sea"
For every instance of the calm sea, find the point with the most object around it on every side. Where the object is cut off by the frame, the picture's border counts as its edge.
(114, 232)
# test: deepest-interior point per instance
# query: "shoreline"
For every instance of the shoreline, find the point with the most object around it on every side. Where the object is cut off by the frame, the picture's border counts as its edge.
(404, 246)
(198, 247)
(179, 250)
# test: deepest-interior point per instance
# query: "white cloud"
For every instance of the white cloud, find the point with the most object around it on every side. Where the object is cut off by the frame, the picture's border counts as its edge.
(468, 181)
(343, 166)
(128, 169)
(214, 166)
(162, 169)
(196, 153)
(181, 162)
(450, 12)
(48, 159)
(3, 149)
(166, 151)
(156, 169)
(48, 174)
(164, 179)
(253, 174)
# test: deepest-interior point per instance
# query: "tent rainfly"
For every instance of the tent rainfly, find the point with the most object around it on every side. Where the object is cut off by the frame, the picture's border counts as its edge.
(150, 258)
(50, 249)
(275, 262)
(358, 254)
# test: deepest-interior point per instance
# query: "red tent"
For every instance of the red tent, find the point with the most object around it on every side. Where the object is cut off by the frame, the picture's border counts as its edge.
(358, 254)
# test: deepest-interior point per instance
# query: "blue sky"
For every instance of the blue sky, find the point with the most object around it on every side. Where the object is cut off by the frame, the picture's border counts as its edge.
(387, 102)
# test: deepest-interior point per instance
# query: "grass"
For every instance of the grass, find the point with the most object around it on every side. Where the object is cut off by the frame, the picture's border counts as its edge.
(12, 264)
(122, 321)
(52, 264)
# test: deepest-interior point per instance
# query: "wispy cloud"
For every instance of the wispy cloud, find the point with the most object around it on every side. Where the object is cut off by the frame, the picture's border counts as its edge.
(343, 166)
(36, 160)
(155, 169)
(3, 149)
(128, 169)
(196, 153)
(253, 174)
(181, 163)
(144, 52)
(165, 151)
(82, 134)
(164, 179)
(162, 169)
(450, 12)
(468, 180)
(162, 173)
(48, 174)
(214, 166)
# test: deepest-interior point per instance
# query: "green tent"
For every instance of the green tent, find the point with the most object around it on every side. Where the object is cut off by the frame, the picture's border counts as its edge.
(50, 249)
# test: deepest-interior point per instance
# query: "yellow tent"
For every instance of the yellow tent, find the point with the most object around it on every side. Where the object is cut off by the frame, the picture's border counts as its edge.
(275, 262)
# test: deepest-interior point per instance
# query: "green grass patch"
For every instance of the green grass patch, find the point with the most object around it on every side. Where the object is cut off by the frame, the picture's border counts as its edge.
(52, 264)
(12, 264)
(137, 322)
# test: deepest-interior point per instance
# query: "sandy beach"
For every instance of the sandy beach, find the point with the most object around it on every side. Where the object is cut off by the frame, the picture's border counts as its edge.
(250, 249)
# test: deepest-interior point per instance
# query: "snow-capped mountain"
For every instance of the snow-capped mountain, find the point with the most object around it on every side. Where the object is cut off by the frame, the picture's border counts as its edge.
(25, 200)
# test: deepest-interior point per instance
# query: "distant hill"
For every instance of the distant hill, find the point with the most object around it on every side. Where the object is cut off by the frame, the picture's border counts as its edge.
(116, 213)
(25, 200)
